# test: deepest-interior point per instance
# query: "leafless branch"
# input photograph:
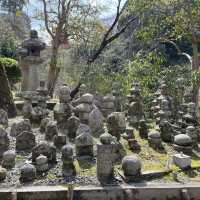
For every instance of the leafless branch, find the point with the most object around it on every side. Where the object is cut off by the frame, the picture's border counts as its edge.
(46, 18)
(107, 40)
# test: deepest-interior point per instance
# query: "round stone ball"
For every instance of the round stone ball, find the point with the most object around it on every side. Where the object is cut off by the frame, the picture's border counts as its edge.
(67, 152)
(131, 166)
(8, 160)
(28, 173)
(106, 138)
(182, 140)
(40, 160)
(154, 135)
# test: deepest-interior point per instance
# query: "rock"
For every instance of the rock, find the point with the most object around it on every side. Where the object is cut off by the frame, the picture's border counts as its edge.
(96, 121)
(116, 124)
(181, 160)
(8, 160)
(87, 98)
(25, 141)
(154, 139)
(131, 166)
(45, 149)
(84, 108)
(84, 143)
(3, 174)
(106, 139)
(72, 125)
(182, 140)
(166, 131)
(20, 126)
(27, 173)
(42, 163)
(83, 128)
(59, 141)
(192, 133)
(4, 141)
(51, 130)
(134, 145)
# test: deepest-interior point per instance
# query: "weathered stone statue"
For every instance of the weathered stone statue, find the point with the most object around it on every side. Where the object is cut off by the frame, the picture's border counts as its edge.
(96, 122)
(45, 149)
(135, 105)
(166, 131)
(68, 167)
(29, 60)
(116, 124)
(154, 139)
(131, 166)
(27, 173)
(72, 125)
(25, 141)
(3, 118)
(84, 142)
(51, 130)
(42, 164)
(183, 143)
(8, 160)
(63, 110)
(85, 107)
(105, 159)
(20, 126)
(108, 105)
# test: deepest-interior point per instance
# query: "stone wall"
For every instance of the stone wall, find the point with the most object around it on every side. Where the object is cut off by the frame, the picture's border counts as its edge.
(139, 192)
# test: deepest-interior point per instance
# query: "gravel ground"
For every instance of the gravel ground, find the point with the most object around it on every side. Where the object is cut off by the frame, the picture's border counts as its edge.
(52, 177)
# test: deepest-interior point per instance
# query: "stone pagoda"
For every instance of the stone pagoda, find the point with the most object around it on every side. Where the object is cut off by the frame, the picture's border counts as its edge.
(29, 54)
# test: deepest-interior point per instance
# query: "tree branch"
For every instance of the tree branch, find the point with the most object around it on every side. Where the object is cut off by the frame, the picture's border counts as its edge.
(46, 18)
(107, 41)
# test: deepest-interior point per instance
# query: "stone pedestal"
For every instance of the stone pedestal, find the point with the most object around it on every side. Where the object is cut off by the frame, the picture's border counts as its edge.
(29, 70)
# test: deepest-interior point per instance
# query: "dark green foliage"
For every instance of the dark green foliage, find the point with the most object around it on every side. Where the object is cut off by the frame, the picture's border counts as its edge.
(8, 48)
(12, 69)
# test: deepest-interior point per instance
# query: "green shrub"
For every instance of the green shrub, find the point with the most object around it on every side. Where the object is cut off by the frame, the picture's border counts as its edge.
(12, 69)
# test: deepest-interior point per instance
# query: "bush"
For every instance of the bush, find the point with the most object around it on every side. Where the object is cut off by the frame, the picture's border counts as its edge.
(12, 69)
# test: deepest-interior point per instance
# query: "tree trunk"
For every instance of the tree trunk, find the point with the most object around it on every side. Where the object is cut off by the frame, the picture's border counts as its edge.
(195, 67)
(6, 98)
(53, 70)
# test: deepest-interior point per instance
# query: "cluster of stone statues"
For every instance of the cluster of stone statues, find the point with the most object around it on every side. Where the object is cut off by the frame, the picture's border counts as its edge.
(70, 128)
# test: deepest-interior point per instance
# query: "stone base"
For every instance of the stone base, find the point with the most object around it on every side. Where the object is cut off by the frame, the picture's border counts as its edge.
(183, 149)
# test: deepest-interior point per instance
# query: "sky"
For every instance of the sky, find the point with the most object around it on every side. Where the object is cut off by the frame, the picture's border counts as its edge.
(34, 6)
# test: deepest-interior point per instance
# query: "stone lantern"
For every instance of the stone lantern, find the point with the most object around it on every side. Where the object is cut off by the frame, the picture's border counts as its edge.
(29, 60)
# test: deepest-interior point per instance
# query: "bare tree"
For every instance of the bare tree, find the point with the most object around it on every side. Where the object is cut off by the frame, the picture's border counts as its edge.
(61, 17)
